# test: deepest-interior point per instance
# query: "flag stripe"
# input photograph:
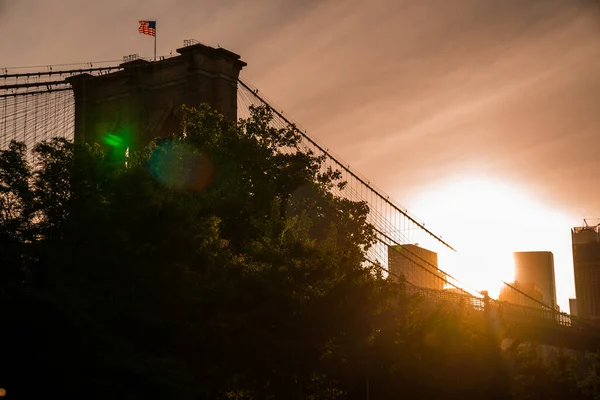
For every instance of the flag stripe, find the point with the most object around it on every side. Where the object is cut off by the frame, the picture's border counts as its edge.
(147, 28)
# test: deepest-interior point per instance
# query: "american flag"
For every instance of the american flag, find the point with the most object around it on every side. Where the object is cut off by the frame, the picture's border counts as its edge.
(147, 28)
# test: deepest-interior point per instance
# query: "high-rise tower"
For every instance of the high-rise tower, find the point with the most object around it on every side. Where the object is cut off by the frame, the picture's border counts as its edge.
(537, 268)
(586, 267)
(416, 265)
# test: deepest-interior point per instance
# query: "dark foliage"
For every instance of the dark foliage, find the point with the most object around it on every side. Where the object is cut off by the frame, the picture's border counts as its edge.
(216, 266)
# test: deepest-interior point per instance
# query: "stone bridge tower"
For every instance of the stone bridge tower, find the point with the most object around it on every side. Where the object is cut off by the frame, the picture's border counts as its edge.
(133, 106)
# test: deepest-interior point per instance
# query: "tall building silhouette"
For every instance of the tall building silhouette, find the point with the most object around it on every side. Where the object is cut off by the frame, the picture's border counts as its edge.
(416, 265)
(573, 307)
(586, 267)
(537, 268)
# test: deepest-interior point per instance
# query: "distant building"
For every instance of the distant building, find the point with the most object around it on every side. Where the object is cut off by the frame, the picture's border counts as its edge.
(537, 268)
(533, 296)
(416, 265)
(586, 267)
(573, 307)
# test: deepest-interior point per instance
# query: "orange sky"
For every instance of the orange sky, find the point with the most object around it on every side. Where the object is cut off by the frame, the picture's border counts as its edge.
(412, 93)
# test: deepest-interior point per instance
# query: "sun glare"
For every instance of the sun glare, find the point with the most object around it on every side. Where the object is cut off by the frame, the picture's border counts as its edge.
(486, 221)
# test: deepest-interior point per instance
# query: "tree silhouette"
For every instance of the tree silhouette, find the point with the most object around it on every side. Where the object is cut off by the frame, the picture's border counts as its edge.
(217, 264)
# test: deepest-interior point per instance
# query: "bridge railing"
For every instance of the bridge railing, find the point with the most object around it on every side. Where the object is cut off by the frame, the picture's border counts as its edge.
(446, 295)
(506, 310)
(518, 311)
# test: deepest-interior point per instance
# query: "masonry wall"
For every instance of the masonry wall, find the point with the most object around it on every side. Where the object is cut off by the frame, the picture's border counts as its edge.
(143, 101)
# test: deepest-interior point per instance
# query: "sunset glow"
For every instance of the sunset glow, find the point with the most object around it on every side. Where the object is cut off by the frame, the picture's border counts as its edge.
(486, 221)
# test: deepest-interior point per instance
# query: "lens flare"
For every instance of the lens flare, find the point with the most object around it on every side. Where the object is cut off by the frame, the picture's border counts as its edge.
(179, 167)
(113, 140)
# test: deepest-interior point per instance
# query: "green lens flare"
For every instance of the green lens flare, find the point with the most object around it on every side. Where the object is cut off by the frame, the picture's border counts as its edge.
(113, 140)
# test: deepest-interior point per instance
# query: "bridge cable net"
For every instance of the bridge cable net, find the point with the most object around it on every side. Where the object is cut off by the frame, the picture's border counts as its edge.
(392, 224)
(35, 117)
(37, 105)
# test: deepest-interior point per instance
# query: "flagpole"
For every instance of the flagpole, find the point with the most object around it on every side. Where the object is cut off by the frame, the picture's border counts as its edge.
(155, 32)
